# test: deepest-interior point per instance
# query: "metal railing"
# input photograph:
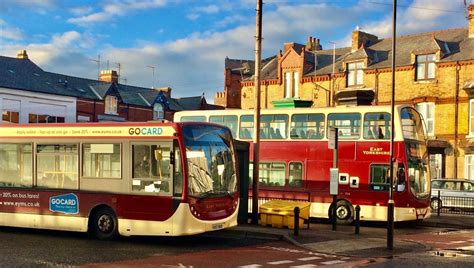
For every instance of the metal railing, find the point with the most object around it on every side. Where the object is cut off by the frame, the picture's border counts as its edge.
(447, 204)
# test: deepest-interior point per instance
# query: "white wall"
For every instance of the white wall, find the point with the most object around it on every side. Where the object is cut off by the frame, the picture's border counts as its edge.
(27, 102)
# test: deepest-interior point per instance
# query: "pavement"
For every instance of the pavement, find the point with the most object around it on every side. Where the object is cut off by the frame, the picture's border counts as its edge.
(343, 241)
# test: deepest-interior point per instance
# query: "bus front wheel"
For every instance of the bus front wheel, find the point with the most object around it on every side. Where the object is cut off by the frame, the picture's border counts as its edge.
(344, 212)
(104, 224)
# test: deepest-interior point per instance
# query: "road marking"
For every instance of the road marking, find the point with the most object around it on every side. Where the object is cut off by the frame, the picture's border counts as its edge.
(304, 266)
(279, 262)
(332, 262)
(309, 258)
(251, 266)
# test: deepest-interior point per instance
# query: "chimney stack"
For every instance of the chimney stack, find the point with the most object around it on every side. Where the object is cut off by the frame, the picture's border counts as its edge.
(291, 45)
(359, 38)
(22, 55)
(110, 76)
(313, 44)
(166, 91)
(470, 19)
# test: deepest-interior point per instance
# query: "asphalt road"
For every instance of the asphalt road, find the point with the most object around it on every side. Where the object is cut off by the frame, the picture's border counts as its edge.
(28, 247)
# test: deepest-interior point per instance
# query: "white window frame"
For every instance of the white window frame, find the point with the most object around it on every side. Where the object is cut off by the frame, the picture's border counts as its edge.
(111, 103)
(355, 72)
(469, 165)
(295, 84)
(471, 117)
(287, 84)
(425, 69)
(158, 111)
(426, 109)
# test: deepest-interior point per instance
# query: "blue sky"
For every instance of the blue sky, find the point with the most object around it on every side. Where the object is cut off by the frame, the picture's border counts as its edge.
(186, 41)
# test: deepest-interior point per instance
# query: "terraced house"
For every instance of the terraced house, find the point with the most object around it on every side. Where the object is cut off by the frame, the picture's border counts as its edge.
(434, 73)
(28, 94)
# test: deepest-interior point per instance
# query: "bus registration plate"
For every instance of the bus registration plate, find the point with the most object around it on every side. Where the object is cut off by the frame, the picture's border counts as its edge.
(217, 226)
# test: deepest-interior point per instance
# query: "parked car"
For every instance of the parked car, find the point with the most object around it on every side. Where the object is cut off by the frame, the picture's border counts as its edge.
(452, 193)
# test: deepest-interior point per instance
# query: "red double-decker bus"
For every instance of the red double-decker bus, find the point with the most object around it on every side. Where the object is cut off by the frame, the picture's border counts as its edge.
(295, 160)
(164, 179)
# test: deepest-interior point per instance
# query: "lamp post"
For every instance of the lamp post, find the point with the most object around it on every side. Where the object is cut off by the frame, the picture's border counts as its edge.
(256, 119)
(390, 204)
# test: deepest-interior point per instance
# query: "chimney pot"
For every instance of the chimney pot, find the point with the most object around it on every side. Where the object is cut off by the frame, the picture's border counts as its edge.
(470, 19)
(22, 54)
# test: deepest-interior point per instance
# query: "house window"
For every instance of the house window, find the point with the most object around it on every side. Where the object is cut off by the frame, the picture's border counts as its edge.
(158, 112)
(469, 166)
(355, 74)
(44, 118)
(427, 109)
(295, 83)
(288, 85)
(425, 67)
(111, 105)
(291, 84)
(10, 117)
(471, 117)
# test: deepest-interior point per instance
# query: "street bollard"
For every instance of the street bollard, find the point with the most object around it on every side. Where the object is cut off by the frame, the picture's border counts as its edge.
(357, 219)
(297, 221)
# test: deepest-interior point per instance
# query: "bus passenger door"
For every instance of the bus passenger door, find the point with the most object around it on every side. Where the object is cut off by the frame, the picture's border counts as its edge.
(152, 181)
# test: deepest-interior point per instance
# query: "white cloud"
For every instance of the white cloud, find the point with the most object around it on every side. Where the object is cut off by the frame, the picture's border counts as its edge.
(39, 6)
(211, 9)
(82, 10)
(116, 8)
(421, 16)
(9, 32)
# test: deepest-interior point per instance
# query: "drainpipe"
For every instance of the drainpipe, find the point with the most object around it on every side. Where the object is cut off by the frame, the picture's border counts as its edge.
(456, 114)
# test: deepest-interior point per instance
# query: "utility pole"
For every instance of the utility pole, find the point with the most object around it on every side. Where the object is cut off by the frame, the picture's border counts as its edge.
(390, 204)
(331, 101)
(153, 78)
(256, 119)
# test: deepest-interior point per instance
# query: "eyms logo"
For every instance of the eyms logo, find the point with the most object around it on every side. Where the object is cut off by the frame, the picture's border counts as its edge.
(67, 203)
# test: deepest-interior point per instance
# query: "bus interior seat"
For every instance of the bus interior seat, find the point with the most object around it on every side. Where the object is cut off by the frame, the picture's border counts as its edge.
(278, 134)
(302, 134)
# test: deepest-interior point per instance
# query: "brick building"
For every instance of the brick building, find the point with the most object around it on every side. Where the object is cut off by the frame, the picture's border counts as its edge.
(434, 73)
(28, 94)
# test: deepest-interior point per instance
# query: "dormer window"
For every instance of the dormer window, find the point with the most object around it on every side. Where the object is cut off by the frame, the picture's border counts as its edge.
(111, 105)
(425, 67)
(355, 74)
(158, 112)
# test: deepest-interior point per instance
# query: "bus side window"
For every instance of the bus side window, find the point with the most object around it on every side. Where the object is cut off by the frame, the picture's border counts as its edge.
(376, 126)
(347, 123)
(379, 179)
(16, 166)
(177, 171)
(295, 178)
(57, 166)
(151, 168)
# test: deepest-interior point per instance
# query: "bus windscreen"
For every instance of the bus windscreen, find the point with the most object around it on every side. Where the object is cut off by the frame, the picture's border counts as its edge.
(209, 152)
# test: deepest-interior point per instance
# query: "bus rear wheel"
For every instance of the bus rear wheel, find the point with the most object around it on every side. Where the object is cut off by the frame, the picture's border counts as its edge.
(344, 212)
(104, 224)
(436, 204)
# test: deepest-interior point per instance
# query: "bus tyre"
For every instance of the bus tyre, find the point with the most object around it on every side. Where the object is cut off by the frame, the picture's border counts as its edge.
(435, 204)
(344, 212)
(104, 224)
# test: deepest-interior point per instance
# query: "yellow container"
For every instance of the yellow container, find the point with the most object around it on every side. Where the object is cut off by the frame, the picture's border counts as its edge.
(279, 213)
